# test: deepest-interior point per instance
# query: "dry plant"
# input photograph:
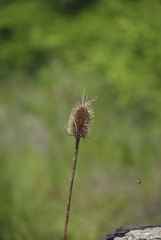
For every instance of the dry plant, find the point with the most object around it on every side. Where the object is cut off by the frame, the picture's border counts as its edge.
(79, 124)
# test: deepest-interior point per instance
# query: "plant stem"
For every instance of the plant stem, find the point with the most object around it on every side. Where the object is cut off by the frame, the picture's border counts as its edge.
(70, 187)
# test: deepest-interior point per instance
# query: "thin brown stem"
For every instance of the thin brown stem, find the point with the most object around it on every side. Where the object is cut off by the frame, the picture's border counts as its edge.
(70, 187)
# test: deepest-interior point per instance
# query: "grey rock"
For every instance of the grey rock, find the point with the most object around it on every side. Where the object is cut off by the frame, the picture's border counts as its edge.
(140, 232)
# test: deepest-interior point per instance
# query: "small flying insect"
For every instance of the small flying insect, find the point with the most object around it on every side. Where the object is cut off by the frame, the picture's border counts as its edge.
(139, 181)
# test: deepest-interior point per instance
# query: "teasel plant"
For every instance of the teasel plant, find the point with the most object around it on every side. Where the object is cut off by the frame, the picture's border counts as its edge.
(79, 127)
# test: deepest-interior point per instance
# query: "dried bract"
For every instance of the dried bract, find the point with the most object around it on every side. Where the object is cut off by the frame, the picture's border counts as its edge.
(80, 119)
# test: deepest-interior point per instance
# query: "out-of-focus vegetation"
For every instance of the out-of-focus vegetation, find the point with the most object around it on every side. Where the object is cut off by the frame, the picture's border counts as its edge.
(50, 51)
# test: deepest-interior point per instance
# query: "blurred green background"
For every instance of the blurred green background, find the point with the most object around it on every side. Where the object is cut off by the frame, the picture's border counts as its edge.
(50, 51)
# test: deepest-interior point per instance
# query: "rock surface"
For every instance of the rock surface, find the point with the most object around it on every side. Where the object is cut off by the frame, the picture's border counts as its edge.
(142, 232)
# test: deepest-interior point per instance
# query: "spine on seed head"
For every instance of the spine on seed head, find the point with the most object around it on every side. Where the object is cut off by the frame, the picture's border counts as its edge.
(80, 119)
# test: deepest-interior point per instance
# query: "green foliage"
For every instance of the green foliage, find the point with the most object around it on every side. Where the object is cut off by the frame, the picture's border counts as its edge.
(70, 7)
(50, 51)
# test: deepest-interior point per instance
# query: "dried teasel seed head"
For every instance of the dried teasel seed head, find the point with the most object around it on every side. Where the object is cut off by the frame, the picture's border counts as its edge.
(80, 119)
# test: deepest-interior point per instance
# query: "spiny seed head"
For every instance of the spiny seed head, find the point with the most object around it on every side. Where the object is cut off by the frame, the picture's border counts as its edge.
(80, 119)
